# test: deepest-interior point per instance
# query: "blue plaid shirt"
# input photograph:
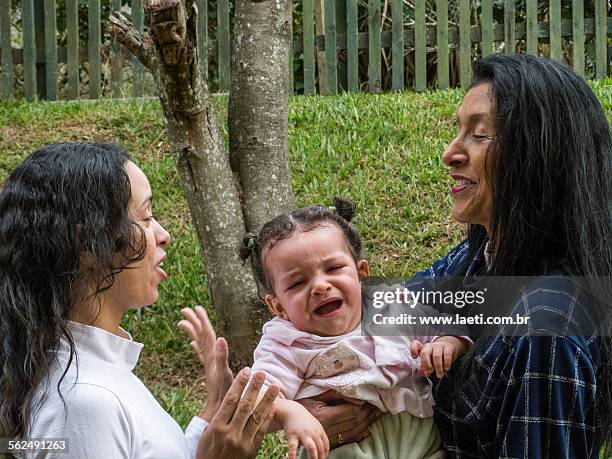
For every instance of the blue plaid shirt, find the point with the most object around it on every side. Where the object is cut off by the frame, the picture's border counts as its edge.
(527, 396)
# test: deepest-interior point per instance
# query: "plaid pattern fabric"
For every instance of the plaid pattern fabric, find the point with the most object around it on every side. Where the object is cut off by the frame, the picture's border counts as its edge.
(527, 396)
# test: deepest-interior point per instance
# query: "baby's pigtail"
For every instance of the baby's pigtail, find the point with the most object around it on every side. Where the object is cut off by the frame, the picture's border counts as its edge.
(249, 244)
(344, 208)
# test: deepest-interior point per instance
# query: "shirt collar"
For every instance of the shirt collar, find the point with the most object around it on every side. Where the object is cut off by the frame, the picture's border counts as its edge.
(95, 344)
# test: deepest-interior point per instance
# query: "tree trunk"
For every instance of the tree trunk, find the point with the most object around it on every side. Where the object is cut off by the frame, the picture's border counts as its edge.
(258, 109)
(169, 52)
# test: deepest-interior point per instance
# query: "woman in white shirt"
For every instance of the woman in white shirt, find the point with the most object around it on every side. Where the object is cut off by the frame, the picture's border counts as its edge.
(79, 246)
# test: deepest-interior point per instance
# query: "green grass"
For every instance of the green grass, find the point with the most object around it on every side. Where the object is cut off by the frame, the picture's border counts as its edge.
(382, 151)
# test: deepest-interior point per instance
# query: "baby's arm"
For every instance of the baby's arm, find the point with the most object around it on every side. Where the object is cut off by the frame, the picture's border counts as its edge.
(300, 427)
(439, 354)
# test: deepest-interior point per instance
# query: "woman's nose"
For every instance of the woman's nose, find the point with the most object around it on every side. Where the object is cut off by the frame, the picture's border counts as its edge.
(162, 237)
(455, 154)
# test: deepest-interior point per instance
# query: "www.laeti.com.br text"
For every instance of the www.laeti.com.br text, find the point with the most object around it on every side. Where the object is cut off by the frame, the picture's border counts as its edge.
(479, 319)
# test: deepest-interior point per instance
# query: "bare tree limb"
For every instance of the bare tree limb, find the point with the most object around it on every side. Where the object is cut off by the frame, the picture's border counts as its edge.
(122, 30)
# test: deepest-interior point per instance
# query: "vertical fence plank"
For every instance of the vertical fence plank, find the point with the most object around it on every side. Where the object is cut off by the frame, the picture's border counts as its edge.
(202, 33)
(442, 42)
(420, 46)
(309, 54)
(7, 53)
(290, 87)
(331, 64)
(374, 18)
(486, 25)
(93, 48)
(72, 43)
(601, 58)
(137, 67)
(509, 26)
(29, 49)
(115, 58)
(51, 49)
(465, 45)
(397, 44)
(555, 30)
(352, 52)
(532, 27)
(578, 35)
(223, 44)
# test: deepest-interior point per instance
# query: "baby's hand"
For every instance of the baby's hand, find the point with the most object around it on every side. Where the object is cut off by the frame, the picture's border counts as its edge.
(301, 427)
(438, 355)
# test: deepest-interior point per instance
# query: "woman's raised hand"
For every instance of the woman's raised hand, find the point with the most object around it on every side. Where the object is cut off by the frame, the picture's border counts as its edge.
(238, 427)
(213, 355)
(237, 424)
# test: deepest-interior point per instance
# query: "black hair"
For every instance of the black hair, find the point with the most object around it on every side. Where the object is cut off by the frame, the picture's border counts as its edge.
(550, 172)
(61, 202)
(303, 219)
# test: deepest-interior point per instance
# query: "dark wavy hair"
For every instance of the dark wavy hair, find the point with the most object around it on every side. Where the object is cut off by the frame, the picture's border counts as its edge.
(550, 171)
(61, 202)
(303, 219)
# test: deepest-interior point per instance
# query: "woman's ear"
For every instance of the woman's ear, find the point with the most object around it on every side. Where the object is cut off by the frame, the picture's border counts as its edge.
(363, 269)
(276, 307)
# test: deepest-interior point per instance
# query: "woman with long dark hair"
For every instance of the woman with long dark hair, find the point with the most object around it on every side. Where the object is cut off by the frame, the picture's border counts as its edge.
(79, 246)
(532, 164)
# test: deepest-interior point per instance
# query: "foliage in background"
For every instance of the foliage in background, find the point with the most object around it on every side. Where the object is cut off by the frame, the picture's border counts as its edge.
(383, 151)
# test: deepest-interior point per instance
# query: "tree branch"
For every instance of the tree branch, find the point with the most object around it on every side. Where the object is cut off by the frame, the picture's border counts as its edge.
(123, 31)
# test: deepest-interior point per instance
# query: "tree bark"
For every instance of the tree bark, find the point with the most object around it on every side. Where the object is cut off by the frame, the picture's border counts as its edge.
(170, 53)
(258, 109)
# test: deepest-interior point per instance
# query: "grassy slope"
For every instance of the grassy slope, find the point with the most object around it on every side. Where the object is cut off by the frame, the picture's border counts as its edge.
(381, 151)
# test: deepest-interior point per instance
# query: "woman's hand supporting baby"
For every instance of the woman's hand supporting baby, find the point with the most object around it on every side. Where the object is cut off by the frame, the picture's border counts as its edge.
(438, 355)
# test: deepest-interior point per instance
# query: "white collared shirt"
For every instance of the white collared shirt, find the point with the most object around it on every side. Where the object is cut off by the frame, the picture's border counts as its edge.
(109, 412)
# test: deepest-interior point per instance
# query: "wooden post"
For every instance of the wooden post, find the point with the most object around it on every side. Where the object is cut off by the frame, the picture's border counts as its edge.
(50, 49)
(465, 45)
(223, 44)
(532, 26)
(29, 49)
(39, 29)
(352, 51)
(420, 46)
(309, 52)
(578, 35)
(509, 27)
(72, 39)
(93, 48)
(137, 68)
(203, 37)
(330, 47)
(486, 25)
(374, 50)
(397, 45)
(6, 72)
(442, 43)
(555, 30)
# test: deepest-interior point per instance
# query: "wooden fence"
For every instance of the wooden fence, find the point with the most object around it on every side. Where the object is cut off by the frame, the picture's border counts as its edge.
(357, 46)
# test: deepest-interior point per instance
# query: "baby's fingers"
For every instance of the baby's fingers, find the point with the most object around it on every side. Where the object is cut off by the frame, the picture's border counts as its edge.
(415, 348)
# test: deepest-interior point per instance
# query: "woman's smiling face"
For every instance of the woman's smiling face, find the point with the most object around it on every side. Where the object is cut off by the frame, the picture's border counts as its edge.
(465, 156)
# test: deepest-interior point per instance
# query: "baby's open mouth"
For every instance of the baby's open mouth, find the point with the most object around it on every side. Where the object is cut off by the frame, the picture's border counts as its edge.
(328, 308)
